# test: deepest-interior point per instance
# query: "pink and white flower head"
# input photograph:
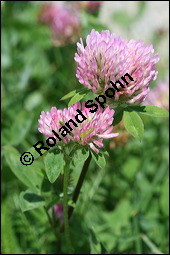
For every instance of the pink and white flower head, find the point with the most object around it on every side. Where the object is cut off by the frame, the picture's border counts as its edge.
(159, 96)
(90, 130)
(107, 57)
(63, 20)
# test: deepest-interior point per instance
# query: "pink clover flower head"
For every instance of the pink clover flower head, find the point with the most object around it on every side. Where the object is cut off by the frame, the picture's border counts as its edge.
(86, 128)
(107, 57)
(63, 20)
(159, 96)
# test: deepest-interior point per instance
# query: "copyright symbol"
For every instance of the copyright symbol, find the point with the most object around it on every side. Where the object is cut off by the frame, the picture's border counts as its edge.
(27, 158)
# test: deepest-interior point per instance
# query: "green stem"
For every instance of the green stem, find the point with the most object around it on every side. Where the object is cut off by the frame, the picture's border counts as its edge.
(79, 184)
(138, 243)
(151, 245)
(65, 208)
(50, 220)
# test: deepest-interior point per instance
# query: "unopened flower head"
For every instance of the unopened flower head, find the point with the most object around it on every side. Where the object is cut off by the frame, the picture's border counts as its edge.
(58, 211)
(90, 6)
(93, 6)
(159, 96)
(107, 57)
(90, 130)
(63, 20)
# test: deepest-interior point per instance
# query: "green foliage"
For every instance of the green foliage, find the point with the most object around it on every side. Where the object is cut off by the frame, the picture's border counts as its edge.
(118, 116)
(70, 94)
(76, 98)
(99, 159)
(95, 246)
(80, 155)
(164, 201)
(9, 240)
(25, 174)
(30, 200)
(20, 127)
(54, 164)
(134, 124)
(150, 110)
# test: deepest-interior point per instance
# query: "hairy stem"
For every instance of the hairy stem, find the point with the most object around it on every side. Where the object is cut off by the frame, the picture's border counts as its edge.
(65, 207)
(79, 184)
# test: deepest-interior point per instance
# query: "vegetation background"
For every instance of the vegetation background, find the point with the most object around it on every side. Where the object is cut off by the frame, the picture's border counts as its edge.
(123, 208)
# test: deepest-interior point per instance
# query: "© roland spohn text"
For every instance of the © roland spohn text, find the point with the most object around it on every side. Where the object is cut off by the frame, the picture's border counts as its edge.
(66, 129)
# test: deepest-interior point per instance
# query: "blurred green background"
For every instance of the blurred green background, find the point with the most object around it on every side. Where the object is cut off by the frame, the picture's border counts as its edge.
(123, 209)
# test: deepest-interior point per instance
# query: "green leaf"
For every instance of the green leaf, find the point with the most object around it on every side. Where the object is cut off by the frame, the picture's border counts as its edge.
(95, 246)
(76, 98)
(104, 152)
(25, 174)
(80, 156)
(9, 241)
(30, 200)
(33, 100)
(71, 203)
(20, 127)
(34, 152)
(164, 199)
(99, 159)
(150, 110)
(134, 124)
(118, 117)
(70, 94)
(54, 164)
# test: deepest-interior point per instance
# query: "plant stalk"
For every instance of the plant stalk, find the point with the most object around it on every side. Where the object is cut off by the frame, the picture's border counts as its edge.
(65, 208)
(79, 184)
